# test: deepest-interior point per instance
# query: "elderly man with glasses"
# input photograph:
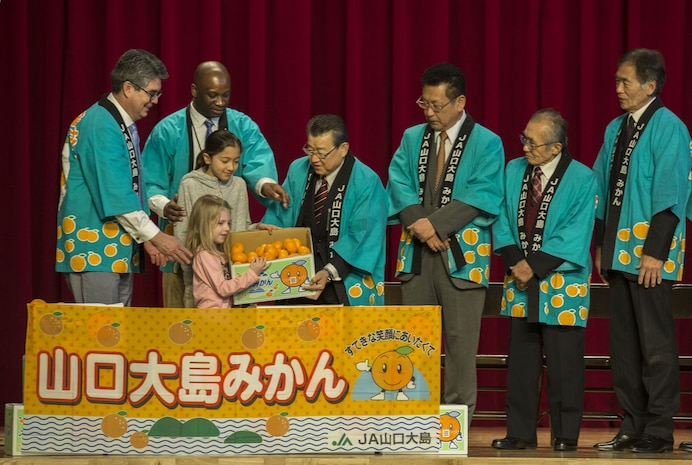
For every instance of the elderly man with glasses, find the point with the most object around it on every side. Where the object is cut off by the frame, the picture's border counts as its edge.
(543, 233)
(343, 203)
(445, 188)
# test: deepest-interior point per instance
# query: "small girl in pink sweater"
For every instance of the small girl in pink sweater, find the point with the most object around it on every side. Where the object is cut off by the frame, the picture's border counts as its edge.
(207, 235)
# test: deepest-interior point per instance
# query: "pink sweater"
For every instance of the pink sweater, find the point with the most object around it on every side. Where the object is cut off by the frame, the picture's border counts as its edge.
(210, 287)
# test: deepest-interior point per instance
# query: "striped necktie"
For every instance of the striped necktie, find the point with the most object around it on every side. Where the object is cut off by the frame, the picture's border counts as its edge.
(320, 198)
(536, 188)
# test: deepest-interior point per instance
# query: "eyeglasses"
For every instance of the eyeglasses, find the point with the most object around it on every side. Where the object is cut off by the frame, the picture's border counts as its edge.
(309, 152)
(436, 107)
(151, 93)
(531, 145)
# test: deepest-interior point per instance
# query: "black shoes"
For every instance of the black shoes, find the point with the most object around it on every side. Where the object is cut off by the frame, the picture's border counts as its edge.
(509, 443)
(618, 443)
(644, 445)
(686, 446)
(565, 445)
(512, 444)
(652, 445)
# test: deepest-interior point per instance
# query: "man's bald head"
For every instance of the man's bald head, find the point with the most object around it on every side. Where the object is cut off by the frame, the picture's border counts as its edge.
(209, 67)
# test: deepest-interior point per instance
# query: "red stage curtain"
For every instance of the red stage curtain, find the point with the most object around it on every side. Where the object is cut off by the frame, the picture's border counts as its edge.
(289, 60)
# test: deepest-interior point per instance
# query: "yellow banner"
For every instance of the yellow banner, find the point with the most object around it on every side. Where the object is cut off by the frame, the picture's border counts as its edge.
(149, 376)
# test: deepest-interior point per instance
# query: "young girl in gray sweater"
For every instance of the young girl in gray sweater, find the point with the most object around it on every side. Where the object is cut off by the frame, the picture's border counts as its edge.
(213, 175)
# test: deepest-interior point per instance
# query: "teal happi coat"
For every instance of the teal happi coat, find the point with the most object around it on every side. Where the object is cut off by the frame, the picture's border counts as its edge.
(167, 157)
(361, 241)
(564, 293)
(658, 180)
(95, 187)
(478, 182)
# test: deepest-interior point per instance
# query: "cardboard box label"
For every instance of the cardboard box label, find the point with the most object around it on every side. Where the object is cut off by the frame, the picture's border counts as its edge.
(454, 429)
(285, 277)
(14, 426)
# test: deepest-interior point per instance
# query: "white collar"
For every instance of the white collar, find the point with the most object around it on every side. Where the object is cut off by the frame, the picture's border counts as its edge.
(127, 119)
(549, 168)
(638, 114)
(332, 176)
(453, 132)
(198, 118)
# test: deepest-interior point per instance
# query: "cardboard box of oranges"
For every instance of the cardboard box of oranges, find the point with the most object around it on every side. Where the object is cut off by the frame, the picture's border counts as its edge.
(291, 263)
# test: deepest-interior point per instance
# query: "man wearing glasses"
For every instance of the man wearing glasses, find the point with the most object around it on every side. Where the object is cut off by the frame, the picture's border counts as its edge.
(544, 235)
(343, 203)
(445, 188)
(102, 213)
(175, 142)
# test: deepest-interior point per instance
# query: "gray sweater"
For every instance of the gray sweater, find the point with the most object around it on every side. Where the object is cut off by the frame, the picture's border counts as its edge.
(197, 183)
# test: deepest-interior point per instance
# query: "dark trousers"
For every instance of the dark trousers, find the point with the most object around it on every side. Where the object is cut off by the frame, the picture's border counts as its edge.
(644, 355)
(563, 347)
(462, 310)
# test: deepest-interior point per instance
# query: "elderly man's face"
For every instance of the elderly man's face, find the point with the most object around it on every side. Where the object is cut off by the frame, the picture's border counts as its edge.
(537, 150)
(632, 94)
(324, 155)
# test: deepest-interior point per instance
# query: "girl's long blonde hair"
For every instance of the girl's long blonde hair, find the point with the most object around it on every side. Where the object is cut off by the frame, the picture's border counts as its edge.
(205, 214)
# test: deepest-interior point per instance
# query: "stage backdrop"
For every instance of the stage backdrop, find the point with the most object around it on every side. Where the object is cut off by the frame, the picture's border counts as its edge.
(291, 59)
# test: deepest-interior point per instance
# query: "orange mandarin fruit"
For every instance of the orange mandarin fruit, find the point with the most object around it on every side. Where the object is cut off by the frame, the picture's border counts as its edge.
(271, 252)
(290, 245)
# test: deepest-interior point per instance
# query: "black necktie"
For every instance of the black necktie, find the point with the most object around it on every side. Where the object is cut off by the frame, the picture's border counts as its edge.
(629, 129)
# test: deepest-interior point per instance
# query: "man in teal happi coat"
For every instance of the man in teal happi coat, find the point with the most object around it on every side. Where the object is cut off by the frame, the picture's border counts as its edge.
(343, 203)
(176, 141)
(544, 235)
(643, 171)
(445, 188)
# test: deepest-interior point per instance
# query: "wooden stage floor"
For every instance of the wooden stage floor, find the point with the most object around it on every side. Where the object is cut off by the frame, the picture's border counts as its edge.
(480, 452)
